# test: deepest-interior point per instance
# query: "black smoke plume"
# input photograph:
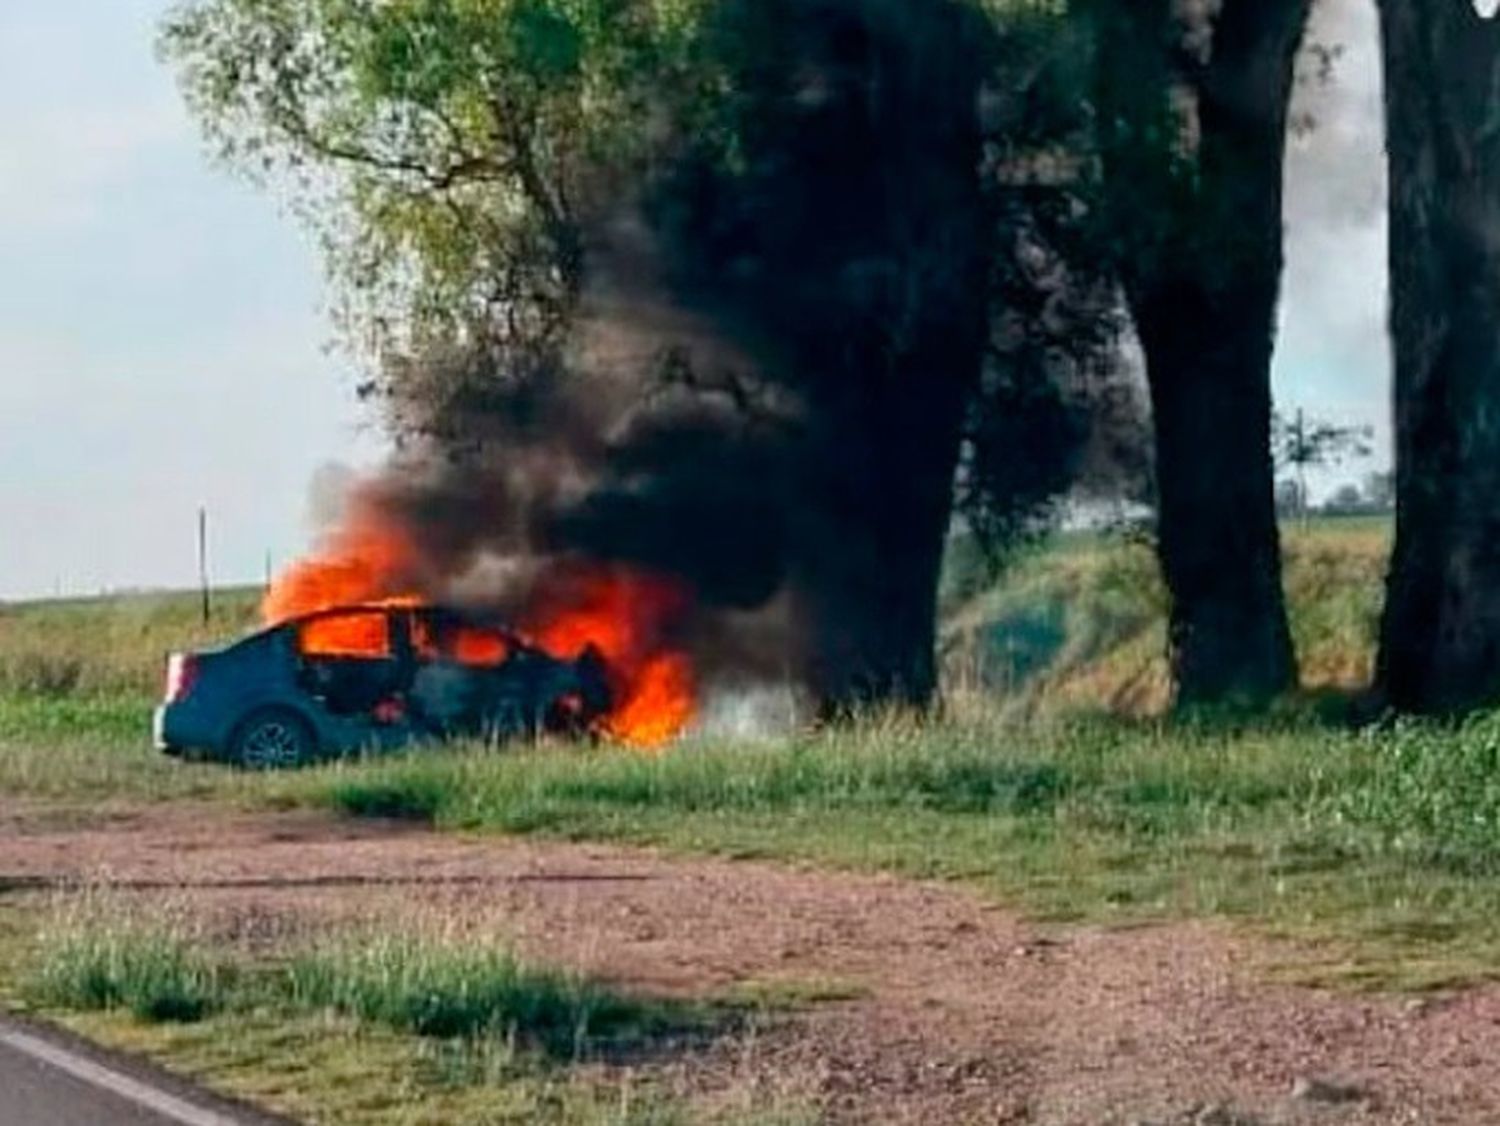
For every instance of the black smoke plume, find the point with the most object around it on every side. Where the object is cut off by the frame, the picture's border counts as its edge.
(767, 383)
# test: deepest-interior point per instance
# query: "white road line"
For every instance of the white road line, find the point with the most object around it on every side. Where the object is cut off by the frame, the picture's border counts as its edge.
(132, 1090)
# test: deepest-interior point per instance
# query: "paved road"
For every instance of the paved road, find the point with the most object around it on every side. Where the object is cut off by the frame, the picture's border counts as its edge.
(50, 1079)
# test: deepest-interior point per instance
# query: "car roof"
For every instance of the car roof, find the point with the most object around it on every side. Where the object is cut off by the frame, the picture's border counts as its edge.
(474, 619)
(519, 644)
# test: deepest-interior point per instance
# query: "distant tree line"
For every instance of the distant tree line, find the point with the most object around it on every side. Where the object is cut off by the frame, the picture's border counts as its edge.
(1375, 495)
(932, 223)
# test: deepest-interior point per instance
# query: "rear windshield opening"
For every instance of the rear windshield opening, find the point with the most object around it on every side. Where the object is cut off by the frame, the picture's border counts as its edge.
(365, 635)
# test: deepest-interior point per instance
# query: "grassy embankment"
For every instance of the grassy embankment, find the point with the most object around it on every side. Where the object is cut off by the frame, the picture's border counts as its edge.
(1080, 624)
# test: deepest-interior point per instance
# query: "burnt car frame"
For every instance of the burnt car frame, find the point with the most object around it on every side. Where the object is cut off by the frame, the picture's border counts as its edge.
(393, 675)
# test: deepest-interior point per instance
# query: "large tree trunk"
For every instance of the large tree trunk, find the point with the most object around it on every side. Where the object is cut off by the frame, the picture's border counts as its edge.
(1217, 537)
(871, 551)
(1440, 638)
(1194, 135)
(846, 246)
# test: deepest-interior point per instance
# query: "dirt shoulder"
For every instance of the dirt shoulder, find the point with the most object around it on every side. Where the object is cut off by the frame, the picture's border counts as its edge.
(955, 1010)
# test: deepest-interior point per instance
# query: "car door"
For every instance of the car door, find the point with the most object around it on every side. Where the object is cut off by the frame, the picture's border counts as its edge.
(351, 660)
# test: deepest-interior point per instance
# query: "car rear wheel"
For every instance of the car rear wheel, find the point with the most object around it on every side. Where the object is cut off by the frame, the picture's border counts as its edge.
(273, 740)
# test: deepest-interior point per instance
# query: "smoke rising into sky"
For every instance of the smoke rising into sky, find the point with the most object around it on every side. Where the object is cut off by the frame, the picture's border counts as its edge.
(161, 341)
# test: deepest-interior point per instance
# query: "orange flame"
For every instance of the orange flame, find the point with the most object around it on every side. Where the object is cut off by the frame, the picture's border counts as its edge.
(365, 561)
(628, 616)
(348, 635)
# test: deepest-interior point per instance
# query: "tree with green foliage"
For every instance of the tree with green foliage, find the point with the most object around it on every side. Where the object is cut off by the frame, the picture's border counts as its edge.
(1440, 638)
(446, 151)
(1192, 101)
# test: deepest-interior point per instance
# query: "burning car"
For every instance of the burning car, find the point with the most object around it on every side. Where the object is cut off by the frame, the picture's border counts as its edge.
(373, 676)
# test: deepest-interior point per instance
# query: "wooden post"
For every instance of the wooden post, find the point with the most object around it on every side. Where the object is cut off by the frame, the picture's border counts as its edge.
(203, 562)
(1303, 456)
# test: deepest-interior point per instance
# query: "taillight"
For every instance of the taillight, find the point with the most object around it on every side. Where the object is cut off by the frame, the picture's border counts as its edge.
(182, 671)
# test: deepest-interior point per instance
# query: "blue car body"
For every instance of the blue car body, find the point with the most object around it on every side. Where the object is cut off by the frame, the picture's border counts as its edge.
(331, 705)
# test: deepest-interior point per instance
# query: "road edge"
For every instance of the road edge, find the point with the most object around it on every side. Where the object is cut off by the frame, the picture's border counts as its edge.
(128, 1077)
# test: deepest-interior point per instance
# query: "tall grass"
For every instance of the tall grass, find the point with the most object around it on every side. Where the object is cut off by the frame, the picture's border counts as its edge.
(449, 986)
(99, 952)
(1430, 795)
(978, 768)
(96, 751)
(95, 957)
(54, 720)
(396, 1022)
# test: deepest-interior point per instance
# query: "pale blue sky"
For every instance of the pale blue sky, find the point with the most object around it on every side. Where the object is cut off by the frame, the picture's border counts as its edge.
(1333, 355)
(162, 340)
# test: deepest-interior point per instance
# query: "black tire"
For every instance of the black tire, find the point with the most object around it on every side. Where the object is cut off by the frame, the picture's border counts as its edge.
(273, 739)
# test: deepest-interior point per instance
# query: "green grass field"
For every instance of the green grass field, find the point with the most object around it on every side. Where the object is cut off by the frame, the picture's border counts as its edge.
(109, 648)
(1047, 787)
(1028, 789)
(78, 680)
(1382, 846)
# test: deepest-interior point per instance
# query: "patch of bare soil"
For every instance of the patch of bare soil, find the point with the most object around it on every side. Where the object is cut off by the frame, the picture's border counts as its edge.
(962, 1012)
